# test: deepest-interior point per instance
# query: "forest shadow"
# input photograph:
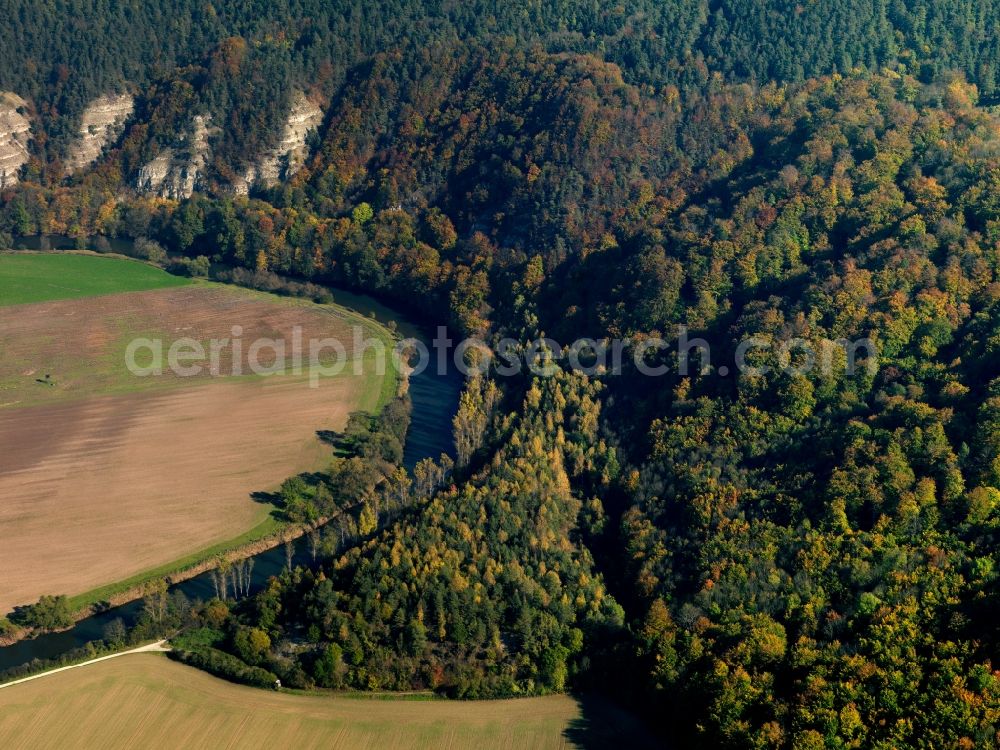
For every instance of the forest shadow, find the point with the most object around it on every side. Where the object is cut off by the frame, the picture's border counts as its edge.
(266, 498)
(601, 725)
(313, 478)
(331, 437)
(343, 444)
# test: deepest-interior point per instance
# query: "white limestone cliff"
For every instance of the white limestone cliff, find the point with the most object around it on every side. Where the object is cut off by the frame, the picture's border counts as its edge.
(176, 172)
(103, 121)
(15, 134)
(287, 158)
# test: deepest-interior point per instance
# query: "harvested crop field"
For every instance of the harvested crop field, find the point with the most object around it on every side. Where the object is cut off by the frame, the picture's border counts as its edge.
(145, 700)
(97, 488)
(72, 348)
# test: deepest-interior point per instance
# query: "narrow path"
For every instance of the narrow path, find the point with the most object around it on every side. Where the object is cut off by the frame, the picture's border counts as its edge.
(159, 646)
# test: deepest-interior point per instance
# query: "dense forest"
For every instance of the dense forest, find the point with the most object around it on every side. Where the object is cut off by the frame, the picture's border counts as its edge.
(62, 55)
(790, 558)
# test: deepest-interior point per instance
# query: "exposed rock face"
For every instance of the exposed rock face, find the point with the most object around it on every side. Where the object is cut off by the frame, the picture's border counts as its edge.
(153, 175)
(289, 155)
(175, 173)
(103, 121)
(15, 132)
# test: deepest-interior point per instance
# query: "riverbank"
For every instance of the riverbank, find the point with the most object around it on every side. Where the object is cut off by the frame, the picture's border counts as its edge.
(90, 603)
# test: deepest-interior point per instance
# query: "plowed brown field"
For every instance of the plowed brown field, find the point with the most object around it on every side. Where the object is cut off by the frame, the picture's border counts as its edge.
(97, 488)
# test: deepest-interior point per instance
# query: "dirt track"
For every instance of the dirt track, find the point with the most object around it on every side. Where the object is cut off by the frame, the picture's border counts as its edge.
(152, 648)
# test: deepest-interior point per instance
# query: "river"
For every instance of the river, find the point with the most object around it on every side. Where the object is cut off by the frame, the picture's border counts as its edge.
(435, 401)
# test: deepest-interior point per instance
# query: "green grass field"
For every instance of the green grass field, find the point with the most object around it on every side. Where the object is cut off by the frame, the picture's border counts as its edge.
(35, 277)
(146, 700)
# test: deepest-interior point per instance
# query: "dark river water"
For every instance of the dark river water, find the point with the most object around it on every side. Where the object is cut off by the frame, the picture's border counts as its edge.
(435, 401)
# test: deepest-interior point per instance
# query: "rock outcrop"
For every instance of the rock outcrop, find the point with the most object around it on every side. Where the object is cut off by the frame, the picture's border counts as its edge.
(15, 133)
(287, 158)
(176, 172)
(102, 123)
